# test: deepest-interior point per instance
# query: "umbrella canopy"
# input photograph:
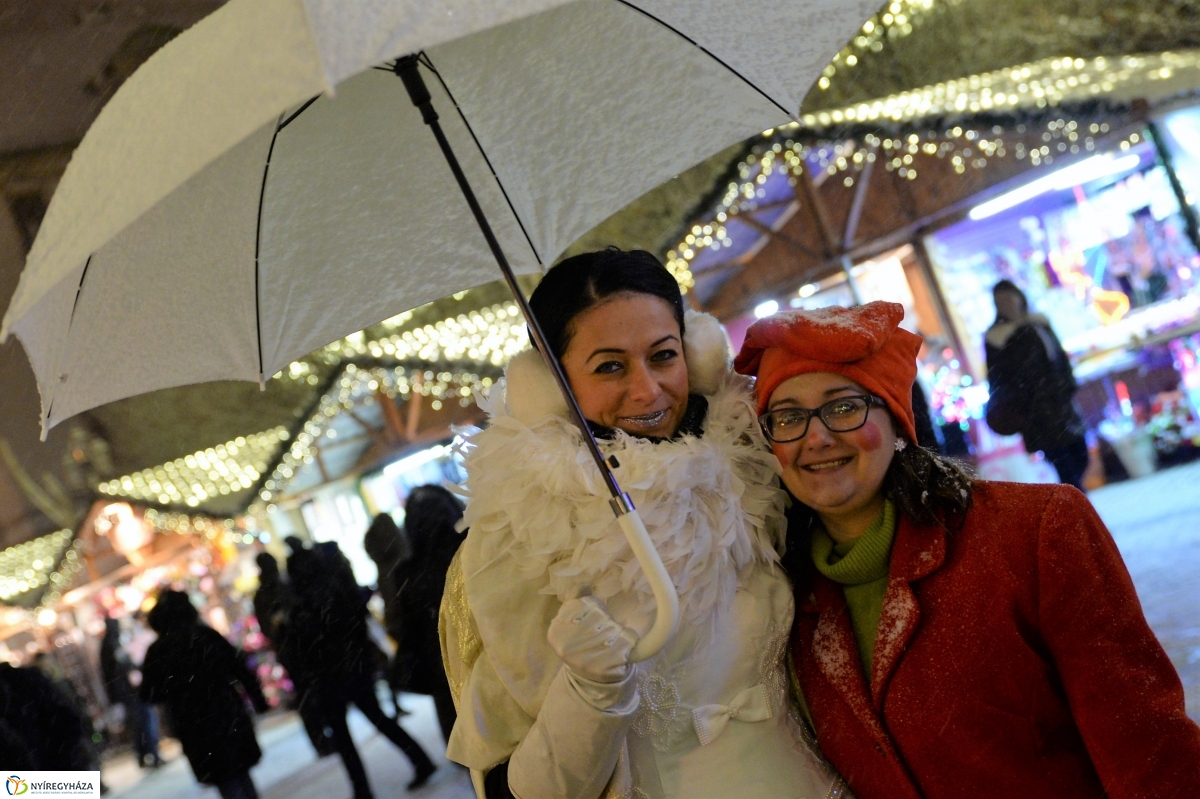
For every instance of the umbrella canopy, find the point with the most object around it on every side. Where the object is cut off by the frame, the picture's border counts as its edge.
(216, 223)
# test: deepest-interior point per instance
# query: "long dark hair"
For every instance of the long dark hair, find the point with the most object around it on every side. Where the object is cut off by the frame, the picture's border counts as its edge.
(583, 281)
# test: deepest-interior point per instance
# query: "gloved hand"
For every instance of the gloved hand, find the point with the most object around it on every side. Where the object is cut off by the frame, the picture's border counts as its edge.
(591, 643)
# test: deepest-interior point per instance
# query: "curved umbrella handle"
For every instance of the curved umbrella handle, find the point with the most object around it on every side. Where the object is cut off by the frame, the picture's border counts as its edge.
(666, 615)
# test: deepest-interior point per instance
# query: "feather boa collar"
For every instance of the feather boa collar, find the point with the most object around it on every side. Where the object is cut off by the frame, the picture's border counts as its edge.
(711, 504)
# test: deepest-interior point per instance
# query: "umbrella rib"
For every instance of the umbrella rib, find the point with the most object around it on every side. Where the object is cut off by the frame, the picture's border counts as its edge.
(258, 244)
(79, 291)
(711, 55)
(297, 113)
(428, 63)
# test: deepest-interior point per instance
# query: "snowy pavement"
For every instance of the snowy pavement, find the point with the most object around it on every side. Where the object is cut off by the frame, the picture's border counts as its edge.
(290, 768)
(1155, 521)
(1156, 524)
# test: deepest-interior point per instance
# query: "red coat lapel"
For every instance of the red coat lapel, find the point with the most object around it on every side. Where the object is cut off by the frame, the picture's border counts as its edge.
(918, 551)
(836, 654)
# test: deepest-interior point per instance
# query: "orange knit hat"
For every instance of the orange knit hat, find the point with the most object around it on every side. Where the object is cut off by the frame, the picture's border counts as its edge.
(865, 344)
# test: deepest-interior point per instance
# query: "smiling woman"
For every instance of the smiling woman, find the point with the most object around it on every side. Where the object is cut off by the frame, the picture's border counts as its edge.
(954, 637)
(545, 602)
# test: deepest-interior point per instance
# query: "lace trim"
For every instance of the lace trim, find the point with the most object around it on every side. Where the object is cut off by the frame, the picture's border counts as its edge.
(659, 709)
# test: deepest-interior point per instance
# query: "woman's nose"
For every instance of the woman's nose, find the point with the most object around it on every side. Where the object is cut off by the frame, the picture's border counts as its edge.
(644, 387)
(818, 434)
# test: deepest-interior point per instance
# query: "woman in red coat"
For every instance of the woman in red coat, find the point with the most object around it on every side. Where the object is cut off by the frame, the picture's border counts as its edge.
(954, 637)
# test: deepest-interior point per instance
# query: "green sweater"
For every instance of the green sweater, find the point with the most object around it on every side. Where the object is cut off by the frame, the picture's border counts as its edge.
(861, 567)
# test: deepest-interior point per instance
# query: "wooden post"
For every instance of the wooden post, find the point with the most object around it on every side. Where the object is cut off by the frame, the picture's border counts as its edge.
(414, 406)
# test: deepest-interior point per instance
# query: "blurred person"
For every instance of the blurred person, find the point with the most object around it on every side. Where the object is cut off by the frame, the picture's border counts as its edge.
(1032, 385)
(41, 728)
(414, 587)
(194, 672)
(117, 668)
(954, 637)
(272, 601)
(329, 619)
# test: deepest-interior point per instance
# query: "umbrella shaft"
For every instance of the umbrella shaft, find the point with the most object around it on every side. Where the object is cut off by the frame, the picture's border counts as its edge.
(406, 68)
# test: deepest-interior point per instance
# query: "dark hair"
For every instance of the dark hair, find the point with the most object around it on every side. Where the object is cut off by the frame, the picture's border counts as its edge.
(583, 281)
(384, 542)
(430, 511)
(1009, 286)
(929, 488)
(173, 609)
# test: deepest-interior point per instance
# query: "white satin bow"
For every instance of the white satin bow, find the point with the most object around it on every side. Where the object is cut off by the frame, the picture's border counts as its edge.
(752, 704)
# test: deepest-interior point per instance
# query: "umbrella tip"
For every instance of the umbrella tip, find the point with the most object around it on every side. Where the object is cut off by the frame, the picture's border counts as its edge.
(262, 382)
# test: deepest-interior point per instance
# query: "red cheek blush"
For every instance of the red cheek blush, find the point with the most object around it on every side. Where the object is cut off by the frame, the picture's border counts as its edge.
(869, 437)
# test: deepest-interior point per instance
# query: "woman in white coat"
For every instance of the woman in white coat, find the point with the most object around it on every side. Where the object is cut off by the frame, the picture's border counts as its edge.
(545, 600)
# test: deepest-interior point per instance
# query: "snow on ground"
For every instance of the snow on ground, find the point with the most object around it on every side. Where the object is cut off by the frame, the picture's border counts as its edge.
(290, 768)
(1156, 524)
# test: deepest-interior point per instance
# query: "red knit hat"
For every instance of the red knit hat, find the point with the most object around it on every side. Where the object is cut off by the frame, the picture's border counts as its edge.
(865, 344)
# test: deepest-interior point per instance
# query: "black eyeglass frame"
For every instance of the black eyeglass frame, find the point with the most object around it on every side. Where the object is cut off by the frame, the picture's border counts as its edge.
(870, 399)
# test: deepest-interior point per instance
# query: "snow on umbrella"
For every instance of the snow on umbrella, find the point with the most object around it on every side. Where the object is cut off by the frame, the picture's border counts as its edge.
(263, 185)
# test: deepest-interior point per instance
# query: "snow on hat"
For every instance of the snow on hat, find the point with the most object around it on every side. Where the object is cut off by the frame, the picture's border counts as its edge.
(865, 344)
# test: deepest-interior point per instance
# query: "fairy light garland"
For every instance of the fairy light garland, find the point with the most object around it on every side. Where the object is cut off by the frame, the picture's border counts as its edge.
(896, 21)
(216, 471)
(488, 335)
(359, 385)
(64, 576)
(1041, 84)
(32, 565)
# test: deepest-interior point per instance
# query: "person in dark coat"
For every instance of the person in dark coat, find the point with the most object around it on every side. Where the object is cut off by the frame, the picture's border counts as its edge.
(116, 667)
(954, 637)
(272, 601)
(330, 616)
(412, 589)
(194, 672)
(1033, 386)
(40, 726)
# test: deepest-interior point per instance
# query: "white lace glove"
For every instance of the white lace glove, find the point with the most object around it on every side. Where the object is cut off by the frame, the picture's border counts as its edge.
(591, 643)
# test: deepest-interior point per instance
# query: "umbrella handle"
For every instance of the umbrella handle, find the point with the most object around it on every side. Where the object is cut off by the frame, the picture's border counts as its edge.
(666, 615)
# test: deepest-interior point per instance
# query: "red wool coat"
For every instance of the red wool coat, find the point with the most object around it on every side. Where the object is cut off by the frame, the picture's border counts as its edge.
(1012, 660)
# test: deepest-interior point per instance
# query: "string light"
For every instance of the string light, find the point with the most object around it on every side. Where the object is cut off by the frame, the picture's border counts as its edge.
(64, 576)
(32, 565)
(1041, 84)
(894, 22)
(217, 471)
(490, 335)
(359, 386)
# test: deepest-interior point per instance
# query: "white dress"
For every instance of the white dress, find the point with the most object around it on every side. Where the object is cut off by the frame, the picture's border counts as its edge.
(711, 716)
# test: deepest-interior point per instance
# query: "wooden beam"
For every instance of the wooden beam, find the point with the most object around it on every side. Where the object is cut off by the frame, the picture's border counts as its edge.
(413, 422)
(861, 188)
(779, 234)
(393, 424)
(820, 216)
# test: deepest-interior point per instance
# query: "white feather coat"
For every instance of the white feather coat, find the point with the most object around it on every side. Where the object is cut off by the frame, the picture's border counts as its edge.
(540, 527)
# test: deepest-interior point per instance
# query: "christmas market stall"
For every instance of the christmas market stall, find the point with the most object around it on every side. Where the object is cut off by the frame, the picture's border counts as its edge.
(1073, 176)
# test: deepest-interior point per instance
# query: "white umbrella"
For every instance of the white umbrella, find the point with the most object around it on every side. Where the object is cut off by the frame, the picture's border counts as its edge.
(218, 222)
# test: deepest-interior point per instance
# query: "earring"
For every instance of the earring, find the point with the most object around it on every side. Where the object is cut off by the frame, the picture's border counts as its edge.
(901, 444)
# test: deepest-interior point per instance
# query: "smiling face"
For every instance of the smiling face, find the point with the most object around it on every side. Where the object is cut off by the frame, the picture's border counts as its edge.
(838, 475)
(626, 365)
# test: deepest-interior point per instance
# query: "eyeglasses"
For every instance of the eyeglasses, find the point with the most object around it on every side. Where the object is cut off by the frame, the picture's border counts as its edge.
(841, 415)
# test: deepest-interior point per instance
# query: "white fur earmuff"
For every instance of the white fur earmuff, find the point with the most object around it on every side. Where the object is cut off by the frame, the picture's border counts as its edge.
(530, 393)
